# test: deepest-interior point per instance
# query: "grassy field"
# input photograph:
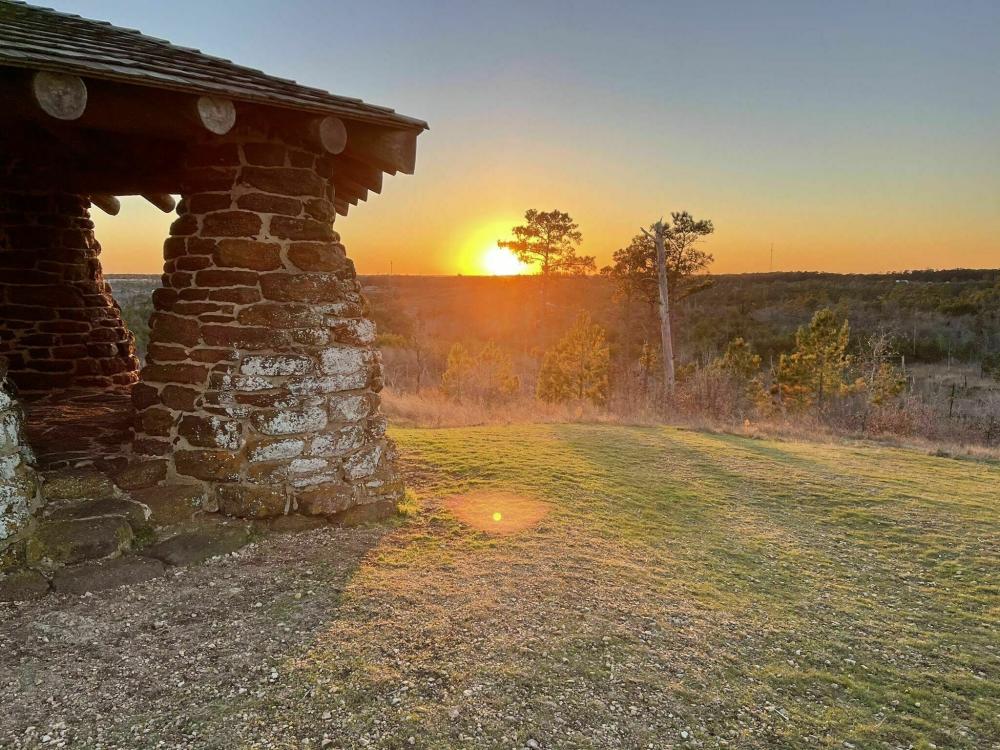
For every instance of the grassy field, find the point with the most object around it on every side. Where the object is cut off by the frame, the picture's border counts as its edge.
(559, 586)
(685, 589)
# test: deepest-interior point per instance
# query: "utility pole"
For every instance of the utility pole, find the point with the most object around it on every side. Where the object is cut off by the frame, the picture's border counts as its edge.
(771, 267)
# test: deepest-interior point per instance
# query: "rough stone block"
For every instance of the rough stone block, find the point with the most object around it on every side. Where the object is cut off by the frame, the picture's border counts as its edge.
(290, 421)
(198, 545)
(56, 543)
(251, 501)
(156, 421)
(300, 287)
(349, 408)
(135, 513)
(316, 256)
(231, 224)
(171, 504)
(179, 398)
(141, 473)
(22, 586)
(211, 432)
(276, 365)
(284, 180)
(203, 203)
(289, 228)
(208, 464)
(106, 574)
(167, 328)
(241, 337)
(224, 277)
(338, 443)
(285, 315)
(175, 373)
(275, 449)
(359, 331)
(77, 484)
(241, 295)
(264, 154)
(364, 462)
(324, 499)
(259, 256)
(343, 360)
(270, 204)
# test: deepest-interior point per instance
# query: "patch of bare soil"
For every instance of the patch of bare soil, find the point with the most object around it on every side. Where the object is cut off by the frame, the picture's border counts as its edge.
(170, 663)
(424, 635)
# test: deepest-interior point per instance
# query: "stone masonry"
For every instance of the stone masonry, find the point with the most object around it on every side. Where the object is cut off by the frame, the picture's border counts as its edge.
(59, 325)
(18, 482)
(262, 378)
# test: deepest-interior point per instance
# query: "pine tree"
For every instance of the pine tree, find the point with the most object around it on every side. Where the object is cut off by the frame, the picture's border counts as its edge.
(455, 380)
(487, 376)
(492, 377)
(816, 370)
(576, 368)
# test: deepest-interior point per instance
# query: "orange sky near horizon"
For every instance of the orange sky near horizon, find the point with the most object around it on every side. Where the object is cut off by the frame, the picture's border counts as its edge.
(854, 136)
(458, 239)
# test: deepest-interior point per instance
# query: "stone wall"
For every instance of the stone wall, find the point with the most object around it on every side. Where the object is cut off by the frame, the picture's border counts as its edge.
(262, 378)
(59, 325)
(18, 483)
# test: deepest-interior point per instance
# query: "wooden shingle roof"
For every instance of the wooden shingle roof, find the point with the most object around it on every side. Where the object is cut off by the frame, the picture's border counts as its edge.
(45, 39)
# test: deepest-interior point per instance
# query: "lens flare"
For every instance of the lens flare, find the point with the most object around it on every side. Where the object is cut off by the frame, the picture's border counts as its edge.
(497, 513)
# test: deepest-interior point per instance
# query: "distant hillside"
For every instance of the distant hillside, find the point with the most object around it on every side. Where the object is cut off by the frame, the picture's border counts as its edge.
(931, 314)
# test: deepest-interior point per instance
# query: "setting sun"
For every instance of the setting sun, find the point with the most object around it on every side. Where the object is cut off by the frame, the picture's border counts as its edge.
(498, 261)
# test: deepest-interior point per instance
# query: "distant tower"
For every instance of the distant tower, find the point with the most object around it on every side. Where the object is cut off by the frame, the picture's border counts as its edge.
(771, 268)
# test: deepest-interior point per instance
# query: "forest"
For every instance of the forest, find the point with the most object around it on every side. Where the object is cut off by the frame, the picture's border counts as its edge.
(937, 331)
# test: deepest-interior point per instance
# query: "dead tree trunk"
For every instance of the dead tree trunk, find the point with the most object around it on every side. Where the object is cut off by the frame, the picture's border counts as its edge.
(666, 335)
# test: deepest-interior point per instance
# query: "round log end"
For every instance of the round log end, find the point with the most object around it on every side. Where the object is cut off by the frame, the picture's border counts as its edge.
(216, 114)
(109, 204)
(60, 95)
(332, 134)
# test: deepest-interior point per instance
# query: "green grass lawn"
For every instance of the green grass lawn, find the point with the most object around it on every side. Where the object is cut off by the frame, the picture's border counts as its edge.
(685, 588)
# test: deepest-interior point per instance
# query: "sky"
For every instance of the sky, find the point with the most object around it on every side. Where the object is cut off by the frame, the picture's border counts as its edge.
(851, 136)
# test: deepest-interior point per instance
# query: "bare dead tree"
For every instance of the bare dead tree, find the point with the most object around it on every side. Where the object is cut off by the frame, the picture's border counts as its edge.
(658, 235)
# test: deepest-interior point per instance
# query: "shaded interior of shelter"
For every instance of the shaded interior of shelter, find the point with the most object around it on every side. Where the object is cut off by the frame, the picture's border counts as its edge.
(80, 427)
(67, 351)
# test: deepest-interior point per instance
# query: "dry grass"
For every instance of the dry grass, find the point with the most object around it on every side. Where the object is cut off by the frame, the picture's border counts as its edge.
(433, 410)
(430, 408)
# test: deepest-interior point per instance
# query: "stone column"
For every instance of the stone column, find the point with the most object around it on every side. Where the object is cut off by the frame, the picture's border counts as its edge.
(262, 379)
(59, 325)
(18, 482)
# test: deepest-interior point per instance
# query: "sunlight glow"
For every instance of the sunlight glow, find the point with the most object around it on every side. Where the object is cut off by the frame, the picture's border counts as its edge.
(498, 261)
(478, 510)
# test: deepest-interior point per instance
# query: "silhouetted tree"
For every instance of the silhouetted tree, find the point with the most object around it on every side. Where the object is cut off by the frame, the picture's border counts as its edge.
(549, 239)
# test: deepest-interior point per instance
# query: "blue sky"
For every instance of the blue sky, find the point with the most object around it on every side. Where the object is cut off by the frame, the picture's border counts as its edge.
(854, 136)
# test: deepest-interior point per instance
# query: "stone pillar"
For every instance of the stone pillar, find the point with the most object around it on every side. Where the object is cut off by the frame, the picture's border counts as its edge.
(262, 378)
(59, 325)
(18, 482)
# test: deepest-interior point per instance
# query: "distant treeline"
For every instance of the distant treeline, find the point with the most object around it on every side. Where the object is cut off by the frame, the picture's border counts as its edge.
(931, 316)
